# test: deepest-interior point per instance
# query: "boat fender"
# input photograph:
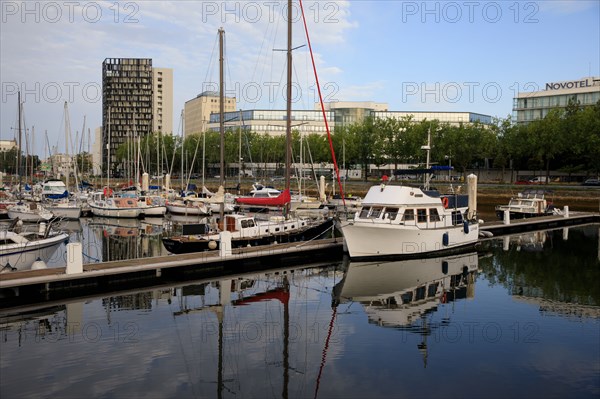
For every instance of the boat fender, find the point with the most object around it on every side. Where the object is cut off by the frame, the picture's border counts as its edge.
(212, 244)
(466, 227)
(445, 202)
(445, 267)
(444, 298)
(445, 239)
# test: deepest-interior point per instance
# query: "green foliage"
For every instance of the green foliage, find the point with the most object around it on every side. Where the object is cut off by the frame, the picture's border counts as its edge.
(566, 139)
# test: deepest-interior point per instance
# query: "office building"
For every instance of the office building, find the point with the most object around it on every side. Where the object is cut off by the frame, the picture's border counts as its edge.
(137, 100)
(529, 106)
(162, 100)
(198, 110)
(273, 122)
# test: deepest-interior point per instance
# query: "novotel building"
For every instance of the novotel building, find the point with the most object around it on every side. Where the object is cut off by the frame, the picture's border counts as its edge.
(529, 106)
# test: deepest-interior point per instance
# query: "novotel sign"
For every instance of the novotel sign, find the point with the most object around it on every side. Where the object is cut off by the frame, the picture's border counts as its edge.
(573, 84)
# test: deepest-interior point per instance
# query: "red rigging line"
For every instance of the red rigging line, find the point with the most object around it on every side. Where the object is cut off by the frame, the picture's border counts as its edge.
(337, 174)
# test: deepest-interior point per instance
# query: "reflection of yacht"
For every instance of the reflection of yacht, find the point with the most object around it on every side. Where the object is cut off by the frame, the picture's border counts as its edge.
(533, 241)
(401, 294)
(398, 293)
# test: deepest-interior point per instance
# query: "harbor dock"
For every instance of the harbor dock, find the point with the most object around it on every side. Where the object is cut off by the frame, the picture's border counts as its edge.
(505, 227)
(30, 286)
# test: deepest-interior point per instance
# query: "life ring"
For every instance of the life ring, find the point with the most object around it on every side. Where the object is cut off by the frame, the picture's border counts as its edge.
(445, 202)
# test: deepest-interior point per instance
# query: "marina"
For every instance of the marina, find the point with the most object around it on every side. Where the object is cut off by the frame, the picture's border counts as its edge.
(244, 215)
(64, 279)
(525, 311)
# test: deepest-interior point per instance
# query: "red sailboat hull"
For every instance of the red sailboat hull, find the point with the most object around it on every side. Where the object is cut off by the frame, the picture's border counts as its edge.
(280, 200)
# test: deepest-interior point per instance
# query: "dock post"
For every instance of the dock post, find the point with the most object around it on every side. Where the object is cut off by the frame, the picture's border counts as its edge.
(566, 212)
(507, 217)
(225, 243)
(472, 190)
(74, 258)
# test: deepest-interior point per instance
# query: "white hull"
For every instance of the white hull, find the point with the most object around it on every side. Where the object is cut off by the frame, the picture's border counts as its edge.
(154, 211)
(400, 221)
(181, 209)
(65, 211)
(216, 208)
(25, 213)
(115, 212)
(390, 241)
(28, 248)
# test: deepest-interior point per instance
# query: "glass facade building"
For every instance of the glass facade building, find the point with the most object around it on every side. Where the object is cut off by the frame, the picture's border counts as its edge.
(530, 106)
(273, 122)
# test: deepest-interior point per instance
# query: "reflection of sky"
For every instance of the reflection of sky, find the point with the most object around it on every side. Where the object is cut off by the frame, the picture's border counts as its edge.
(492, 346)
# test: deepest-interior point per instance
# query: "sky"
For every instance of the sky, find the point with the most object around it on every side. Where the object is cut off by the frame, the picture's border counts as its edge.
(470, 56)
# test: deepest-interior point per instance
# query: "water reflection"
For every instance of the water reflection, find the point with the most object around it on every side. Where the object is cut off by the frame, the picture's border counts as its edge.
(551, 265)
(348, 329)
(123, 239)
(402, 294)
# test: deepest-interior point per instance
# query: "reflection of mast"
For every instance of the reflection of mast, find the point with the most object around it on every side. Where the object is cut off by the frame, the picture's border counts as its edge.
(286, 338)
(224, 298)
(423, 345)
(324, 356)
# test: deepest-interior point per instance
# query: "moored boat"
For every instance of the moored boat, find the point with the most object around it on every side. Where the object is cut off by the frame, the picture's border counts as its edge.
(401, 221)
(29, 212)
(20, 249)
(248, 231)
(115, 207)
(527, 204)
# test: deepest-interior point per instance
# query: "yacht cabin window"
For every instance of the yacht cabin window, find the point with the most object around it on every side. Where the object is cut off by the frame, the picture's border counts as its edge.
(392, 213)
(434, 215)
(421, 215)
(409, 214)
(376, 212)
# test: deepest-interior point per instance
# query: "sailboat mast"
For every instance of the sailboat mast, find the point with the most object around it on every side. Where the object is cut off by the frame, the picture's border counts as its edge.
(67, 141)
(19, 169)
(221, 106)
(288, 149)
(221, 118)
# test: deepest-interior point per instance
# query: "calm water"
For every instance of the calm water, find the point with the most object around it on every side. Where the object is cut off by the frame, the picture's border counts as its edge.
(520, 318)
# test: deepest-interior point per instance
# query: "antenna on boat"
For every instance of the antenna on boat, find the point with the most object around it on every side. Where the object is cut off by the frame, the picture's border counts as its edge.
(427, 148)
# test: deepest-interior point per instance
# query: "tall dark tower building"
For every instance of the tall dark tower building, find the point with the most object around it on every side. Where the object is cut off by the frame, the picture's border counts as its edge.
(126, 104)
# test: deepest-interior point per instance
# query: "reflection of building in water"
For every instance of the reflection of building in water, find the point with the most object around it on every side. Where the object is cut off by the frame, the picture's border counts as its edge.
(400, 294)
(564, 309)
(43, 323)
(124, 239)
(138, 301)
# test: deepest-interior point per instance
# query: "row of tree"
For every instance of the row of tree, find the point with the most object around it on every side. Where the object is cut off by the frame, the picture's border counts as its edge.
(566, 139)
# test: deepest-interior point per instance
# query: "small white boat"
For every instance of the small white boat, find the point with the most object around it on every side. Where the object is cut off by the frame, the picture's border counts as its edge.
(19, 250)
(54, 189)
(29, 212)
(188, 206)
(529, 203)
(152, 205)
(64, 209)
(114, 207)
